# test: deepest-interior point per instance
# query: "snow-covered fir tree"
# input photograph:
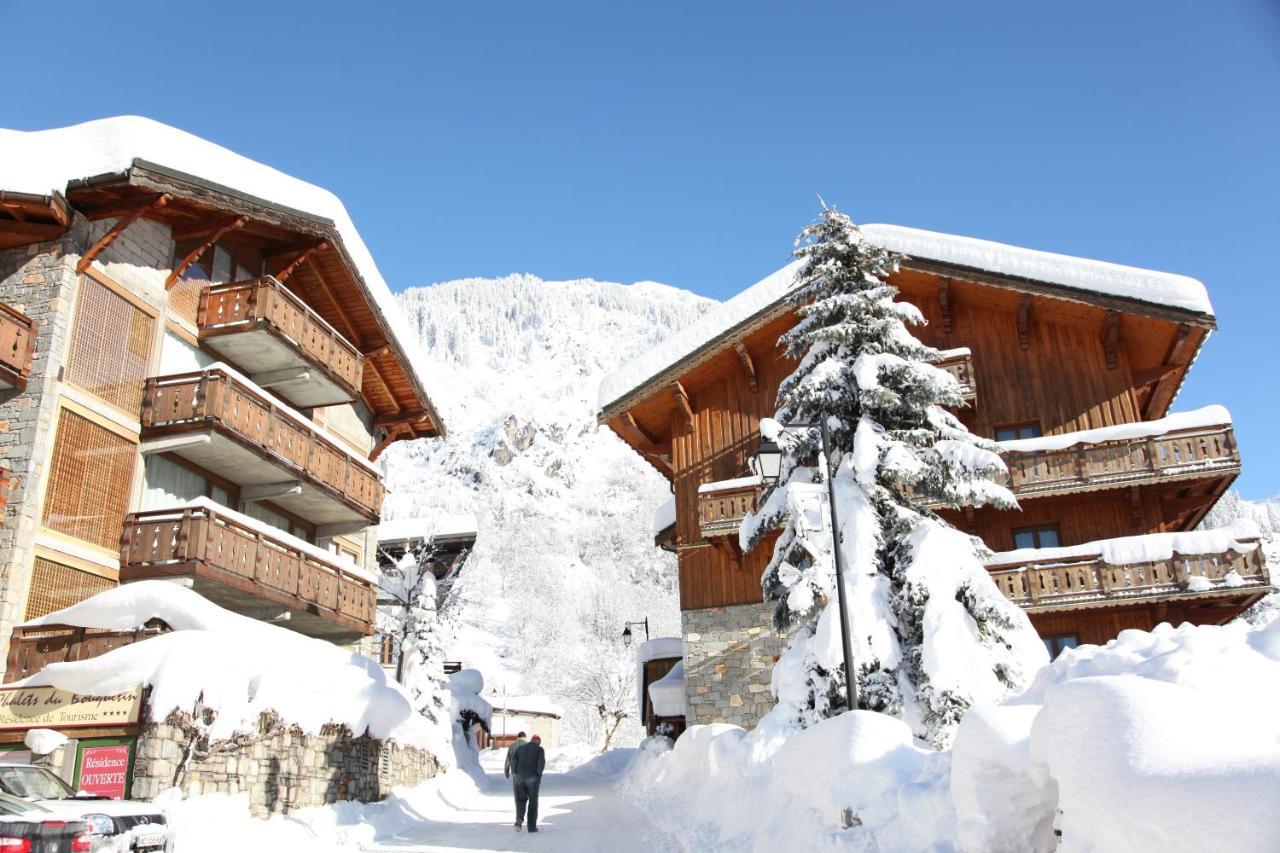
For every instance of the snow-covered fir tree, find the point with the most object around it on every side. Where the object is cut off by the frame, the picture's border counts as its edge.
(931, 633)
(412, 619)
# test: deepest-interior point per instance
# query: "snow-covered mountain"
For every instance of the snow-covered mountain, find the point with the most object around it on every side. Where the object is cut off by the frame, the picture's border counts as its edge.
(565, 554)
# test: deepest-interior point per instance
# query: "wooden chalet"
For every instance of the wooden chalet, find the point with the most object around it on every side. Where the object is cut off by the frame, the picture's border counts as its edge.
(210, 375)
(1074, 364)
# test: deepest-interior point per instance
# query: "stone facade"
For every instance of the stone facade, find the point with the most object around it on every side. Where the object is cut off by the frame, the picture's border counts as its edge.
(40, 281)
(729, 653)
(282, 770)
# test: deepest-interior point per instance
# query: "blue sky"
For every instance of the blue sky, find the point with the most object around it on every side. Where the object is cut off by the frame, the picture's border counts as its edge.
(687, 142)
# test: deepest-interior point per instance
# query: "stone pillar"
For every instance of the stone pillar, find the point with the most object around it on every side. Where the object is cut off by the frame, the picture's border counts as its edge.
(729, 653)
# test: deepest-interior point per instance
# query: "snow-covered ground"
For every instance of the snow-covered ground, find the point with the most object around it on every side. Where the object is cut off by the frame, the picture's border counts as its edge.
(580, 810)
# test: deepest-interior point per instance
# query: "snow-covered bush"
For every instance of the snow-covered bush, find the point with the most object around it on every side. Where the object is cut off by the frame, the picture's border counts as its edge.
(931, 633)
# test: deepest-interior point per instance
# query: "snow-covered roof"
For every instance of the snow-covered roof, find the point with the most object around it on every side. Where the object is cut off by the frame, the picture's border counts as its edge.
(767, 295)
(660, 648)
(1208, 416)
(237, 666)
(1241, 537)
(667, 693)
(537, 704)
(442, 525)
(43, 162)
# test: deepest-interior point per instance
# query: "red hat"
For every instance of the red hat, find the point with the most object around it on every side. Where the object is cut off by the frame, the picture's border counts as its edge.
(537, 738)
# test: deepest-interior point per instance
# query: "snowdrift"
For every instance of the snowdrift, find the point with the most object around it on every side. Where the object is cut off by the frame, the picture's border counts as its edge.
(1165, 740)
(236, 666)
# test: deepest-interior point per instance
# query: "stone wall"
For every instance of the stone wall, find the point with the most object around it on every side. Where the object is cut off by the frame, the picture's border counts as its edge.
(729, 653)
(40, 281)
(283, 770)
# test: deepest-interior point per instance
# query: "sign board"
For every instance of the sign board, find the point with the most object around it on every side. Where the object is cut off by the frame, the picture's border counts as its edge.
(103, 770)
(50, 708)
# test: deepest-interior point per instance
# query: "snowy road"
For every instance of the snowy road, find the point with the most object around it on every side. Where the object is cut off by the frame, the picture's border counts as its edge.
(580, 811)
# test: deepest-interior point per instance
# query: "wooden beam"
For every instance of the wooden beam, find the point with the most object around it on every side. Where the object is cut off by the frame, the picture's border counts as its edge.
(14, 210)
(203, 227)
(1177, 359)
(283, 275)
(728, 547)
(636, 430)
(392, 436)
(1135, 508)
(382, 350)
(944, 301)
(682, 400)
(400, 418)
(1171, 508)
(182, 266)
(1111, 339)
(1024, 320)
(349, 328)
(34, 231)
(1147, 375)
(116, 230)
(748, 365)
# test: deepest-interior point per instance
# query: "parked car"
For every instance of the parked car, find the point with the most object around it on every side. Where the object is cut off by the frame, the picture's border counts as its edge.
(35, 830)
(114, 826)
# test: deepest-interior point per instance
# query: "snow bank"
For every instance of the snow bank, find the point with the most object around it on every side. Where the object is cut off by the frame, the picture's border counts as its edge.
(1084, 274)
(240, 666)
(1158, 741)
(1240, 537)
(43, 162)
(1209, 416)
(729, 485)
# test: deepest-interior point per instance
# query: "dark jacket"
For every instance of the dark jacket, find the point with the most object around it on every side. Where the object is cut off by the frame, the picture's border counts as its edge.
(511, 755)
(528, 762)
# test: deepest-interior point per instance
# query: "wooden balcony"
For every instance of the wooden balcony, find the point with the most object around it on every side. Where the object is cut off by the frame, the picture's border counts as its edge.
(1180, 455)
(721, 510)
(32, 649)
(280, 341)
(17, 346)
(1091, 581)
(249, 568)
(959, 363)
(224, 423)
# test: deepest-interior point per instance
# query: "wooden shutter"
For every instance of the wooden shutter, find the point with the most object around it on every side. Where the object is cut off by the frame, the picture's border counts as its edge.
(90, 479)
(55, 586)
(111, 343)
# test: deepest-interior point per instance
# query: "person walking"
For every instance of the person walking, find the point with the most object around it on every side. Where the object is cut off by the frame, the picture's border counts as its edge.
(527, 772)
(511, 756)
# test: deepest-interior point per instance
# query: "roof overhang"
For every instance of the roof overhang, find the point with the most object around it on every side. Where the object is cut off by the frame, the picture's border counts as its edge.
(329, 280)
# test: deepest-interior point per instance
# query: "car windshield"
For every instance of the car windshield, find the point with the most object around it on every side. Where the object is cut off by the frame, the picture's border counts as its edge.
(33, 782)
(10, 805)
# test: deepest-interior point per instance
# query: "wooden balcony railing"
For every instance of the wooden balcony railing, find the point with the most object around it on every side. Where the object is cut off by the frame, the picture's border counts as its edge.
(720, 512)
(959, 363)
(242, 306)
(217, 399)
(32, 649)
(17, 345)
(1091, 580)
(222, 548)
(1183, 454)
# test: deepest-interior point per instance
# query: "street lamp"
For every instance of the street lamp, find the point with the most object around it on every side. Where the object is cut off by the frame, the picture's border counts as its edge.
(767, 465)
(626, 631)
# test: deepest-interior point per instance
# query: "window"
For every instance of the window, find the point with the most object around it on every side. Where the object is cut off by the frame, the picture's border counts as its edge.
(1013, 432)
(55, 586)
(111, 342)
(1044, 536)
(90, 480)
(168, 484)
(387, 650)
(184, 294)
(1059, 642)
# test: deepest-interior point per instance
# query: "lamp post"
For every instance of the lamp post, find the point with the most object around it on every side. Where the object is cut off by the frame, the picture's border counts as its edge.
(767, 465)
(626, 631)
